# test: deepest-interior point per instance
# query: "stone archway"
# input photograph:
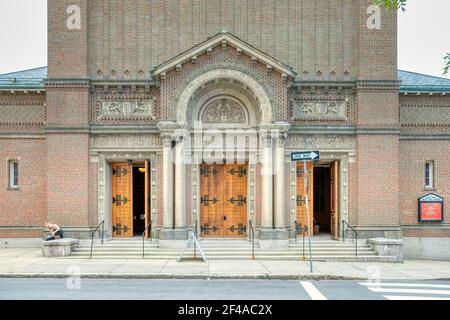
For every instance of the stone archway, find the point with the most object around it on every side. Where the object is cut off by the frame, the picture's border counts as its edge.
(264, 104)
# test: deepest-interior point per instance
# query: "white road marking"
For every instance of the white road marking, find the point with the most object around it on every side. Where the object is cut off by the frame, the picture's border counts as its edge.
(312, 291)
(414, 298)
(414, 291)
(419, 291)
(411, 285)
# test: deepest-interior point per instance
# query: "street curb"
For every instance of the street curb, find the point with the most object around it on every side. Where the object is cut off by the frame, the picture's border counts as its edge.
(316, 277)
(175, 276)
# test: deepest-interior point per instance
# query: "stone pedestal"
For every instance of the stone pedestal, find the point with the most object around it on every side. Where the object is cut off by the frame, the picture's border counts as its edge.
(59, 248)
(273, 239)
(388, 247)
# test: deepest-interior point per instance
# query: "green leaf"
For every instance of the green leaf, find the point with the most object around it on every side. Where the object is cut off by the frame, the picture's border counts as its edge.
(447, 64)
(392, 4)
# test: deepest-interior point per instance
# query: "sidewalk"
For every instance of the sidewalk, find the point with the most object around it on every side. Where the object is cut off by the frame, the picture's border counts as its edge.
(29, 263)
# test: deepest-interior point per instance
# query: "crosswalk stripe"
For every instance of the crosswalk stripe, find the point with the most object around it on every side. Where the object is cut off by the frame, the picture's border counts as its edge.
(412, 285)
(312, 291)
(419, 291)
(414, 298)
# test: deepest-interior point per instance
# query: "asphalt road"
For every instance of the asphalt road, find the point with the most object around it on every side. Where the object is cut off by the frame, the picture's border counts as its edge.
(113, 289)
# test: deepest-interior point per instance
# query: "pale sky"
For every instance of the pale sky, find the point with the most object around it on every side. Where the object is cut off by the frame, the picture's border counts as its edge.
(424, 35)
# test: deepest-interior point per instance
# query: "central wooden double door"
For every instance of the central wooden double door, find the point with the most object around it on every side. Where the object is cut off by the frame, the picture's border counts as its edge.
(223, 202)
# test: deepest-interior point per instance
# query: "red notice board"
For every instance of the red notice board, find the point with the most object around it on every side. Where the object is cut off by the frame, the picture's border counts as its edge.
(431, 208)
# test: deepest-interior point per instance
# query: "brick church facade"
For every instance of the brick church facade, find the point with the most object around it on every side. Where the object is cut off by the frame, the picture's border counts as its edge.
(109, 131)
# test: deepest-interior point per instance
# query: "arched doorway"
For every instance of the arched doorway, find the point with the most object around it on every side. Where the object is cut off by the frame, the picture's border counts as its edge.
(228, 106)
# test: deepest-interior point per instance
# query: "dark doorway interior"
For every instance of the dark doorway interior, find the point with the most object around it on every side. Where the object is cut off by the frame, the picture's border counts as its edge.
(138, 200)
(322, 198)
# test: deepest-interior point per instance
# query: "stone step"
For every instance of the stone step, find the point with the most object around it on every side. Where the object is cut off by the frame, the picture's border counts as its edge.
(120, 249)
(207, 253)
(348, 258)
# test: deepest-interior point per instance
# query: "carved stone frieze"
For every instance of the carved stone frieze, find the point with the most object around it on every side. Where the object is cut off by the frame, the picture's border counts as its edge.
(321, 141)
(128, 109)
(319, 110)
(126, 141)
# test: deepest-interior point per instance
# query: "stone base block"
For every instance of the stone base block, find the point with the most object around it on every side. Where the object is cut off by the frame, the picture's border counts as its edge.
(273, 239)
(173, 234)
(388, 247)
(59, 248)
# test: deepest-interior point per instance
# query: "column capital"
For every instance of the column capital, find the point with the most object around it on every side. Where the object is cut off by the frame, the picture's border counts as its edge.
(166, 126)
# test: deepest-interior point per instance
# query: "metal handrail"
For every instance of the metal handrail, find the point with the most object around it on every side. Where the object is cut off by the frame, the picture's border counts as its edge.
(252, 233)
(354, 231)
(102, 224)
(300, 228)
(149, 228)
(196, 237)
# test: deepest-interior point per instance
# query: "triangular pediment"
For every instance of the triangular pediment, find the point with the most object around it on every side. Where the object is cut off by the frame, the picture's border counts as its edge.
(224, 39)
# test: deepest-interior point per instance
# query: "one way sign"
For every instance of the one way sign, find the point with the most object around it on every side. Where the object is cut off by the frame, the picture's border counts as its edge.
(305, 156)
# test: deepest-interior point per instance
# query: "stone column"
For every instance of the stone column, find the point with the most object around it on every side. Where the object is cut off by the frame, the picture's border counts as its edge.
(180, 202)
(267, 178)
(273, 234)
(167, 176)
(167, 128)
(279, 199)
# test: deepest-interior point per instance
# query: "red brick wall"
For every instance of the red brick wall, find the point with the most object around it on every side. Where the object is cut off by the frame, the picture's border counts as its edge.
(27, 206)
(67, 179)
(377, 172)
(413, 155)
(67, 49)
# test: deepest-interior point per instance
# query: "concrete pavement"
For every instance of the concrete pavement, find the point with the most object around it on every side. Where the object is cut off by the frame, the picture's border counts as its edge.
(29, 263)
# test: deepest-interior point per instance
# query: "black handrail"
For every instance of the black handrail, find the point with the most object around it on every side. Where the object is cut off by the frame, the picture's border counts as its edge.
(149, 228)
(354, 231)
(102, 224)
(252, 237)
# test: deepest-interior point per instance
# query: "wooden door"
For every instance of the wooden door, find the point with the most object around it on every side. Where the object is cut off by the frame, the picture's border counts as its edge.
(223, 202)
(122, 207)
(235, 200)
(301, 195)
(211, 201)
(334, 201)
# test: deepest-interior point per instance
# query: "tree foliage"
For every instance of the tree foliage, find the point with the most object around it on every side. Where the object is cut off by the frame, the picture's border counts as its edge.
(392, 4)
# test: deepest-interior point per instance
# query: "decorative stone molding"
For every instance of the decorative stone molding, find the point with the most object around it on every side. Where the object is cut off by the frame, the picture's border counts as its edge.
(319, 110)
(126, 141)
(321, 141)
(128, 109)
(344, 160)
(104, 159)
(265, 104)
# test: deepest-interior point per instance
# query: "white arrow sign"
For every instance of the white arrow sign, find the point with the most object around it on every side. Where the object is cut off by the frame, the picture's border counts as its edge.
(309, 155)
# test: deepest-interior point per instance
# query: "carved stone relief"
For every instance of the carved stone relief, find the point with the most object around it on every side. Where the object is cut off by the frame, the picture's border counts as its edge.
(224, 111)
(322, 141)
(319, 110)
(128, 108)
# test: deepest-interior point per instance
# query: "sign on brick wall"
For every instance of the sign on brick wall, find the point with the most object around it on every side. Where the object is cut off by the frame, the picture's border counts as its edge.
(431, 208)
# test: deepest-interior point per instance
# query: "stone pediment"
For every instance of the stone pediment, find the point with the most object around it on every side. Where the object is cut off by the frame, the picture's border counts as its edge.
(224, 39)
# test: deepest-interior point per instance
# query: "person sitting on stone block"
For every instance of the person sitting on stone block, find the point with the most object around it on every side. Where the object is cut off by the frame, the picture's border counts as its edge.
(55, 231)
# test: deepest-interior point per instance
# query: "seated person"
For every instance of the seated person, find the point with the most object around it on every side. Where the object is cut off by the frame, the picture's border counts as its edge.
(55, 231)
